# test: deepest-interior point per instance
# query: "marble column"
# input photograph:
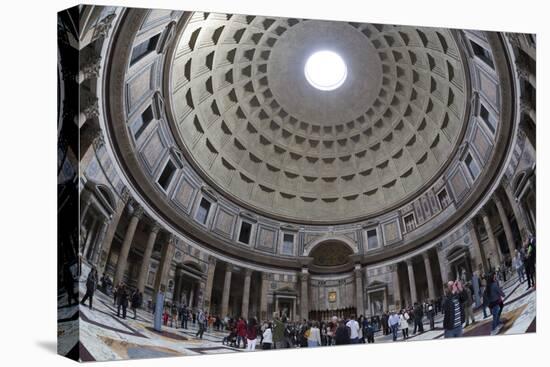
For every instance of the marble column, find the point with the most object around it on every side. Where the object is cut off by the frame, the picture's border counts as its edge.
(494, 252)
(126, 244)
(91, 236)
(226, 290)
(99, 241)
(359, 290)
(110, 234)
(479, 254)
(246, 293)
(429, 276)
(209, 284)
(412, 283)
(144, 270)
(506, 224)
(304, 289)
(161, 280)
(520, 219)
(396, 288)
(263, 297)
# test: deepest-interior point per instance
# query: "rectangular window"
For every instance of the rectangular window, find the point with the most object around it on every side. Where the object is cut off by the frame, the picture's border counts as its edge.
(244, 234)
(166, 175)
(410, 223)
(288, 244)
(143, 49)
(372, 239)
(472, 165)
(202, 213)
(482, 53)
(139, 126)
(443, 198)
(488, 118)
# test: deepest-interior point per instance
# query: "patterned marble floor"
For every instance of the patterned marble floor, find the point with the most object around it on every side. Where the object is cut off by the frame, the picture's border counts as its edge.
(104, 336)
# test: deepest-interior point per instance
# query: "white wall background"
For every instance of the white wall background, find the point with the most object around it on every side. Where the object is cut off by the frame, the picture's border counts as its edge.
(28, 180)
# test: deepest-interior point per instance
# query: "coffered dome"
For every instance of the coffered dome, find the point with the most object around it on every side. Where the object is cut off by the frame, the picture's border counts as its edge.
(253, 126)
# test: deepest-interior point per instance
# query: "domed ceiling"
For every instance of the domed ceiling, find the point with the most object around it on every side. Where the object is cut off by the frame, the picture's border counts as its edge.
(260, 133)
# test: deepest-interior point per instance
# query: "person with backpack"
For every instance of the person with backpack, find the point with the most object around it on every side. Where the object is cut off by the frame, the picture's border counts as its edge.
(342, 335)
(368, 330)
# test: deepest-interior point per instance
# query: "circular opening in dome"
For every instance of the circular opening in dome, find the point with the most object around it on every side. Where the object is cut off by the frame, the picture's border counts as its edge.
(325, 70)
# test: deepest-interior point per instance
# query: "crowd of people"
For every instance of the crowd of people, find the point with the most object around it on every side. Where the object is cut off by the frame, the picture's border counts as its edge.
(456, 305)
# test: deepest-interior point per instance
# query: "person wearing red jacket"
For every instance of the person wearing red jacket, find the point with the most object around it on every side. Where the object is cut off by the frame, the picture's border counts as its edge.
(241, 332)
(251, 335)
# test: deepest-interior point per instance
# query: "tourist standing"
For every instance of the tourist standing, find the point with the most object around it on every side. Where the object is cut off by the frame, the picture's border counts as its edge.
(529, 249)
(342, 335)
(495, 297)
(418, 315)
(184, 316)
(431, 315)
(267, 337)
(91, 285)
(115, 294)
(278, 332)
(241, 332)
(468, 304)
(201, 318)
(361, 321)
(136, 301)
(68, 283)
(404, 324)
(251, 335)
(368, 330)
(354, 330)
(393, 323)
(384, 322)
(453, 310)
(331, 332)
(517, 262)
(122, 300)
(314, 336)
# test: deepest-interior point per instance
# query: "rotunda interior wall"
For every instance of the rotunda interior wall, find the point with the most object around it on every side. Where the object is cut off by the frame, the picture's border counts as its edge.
(156, 146)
